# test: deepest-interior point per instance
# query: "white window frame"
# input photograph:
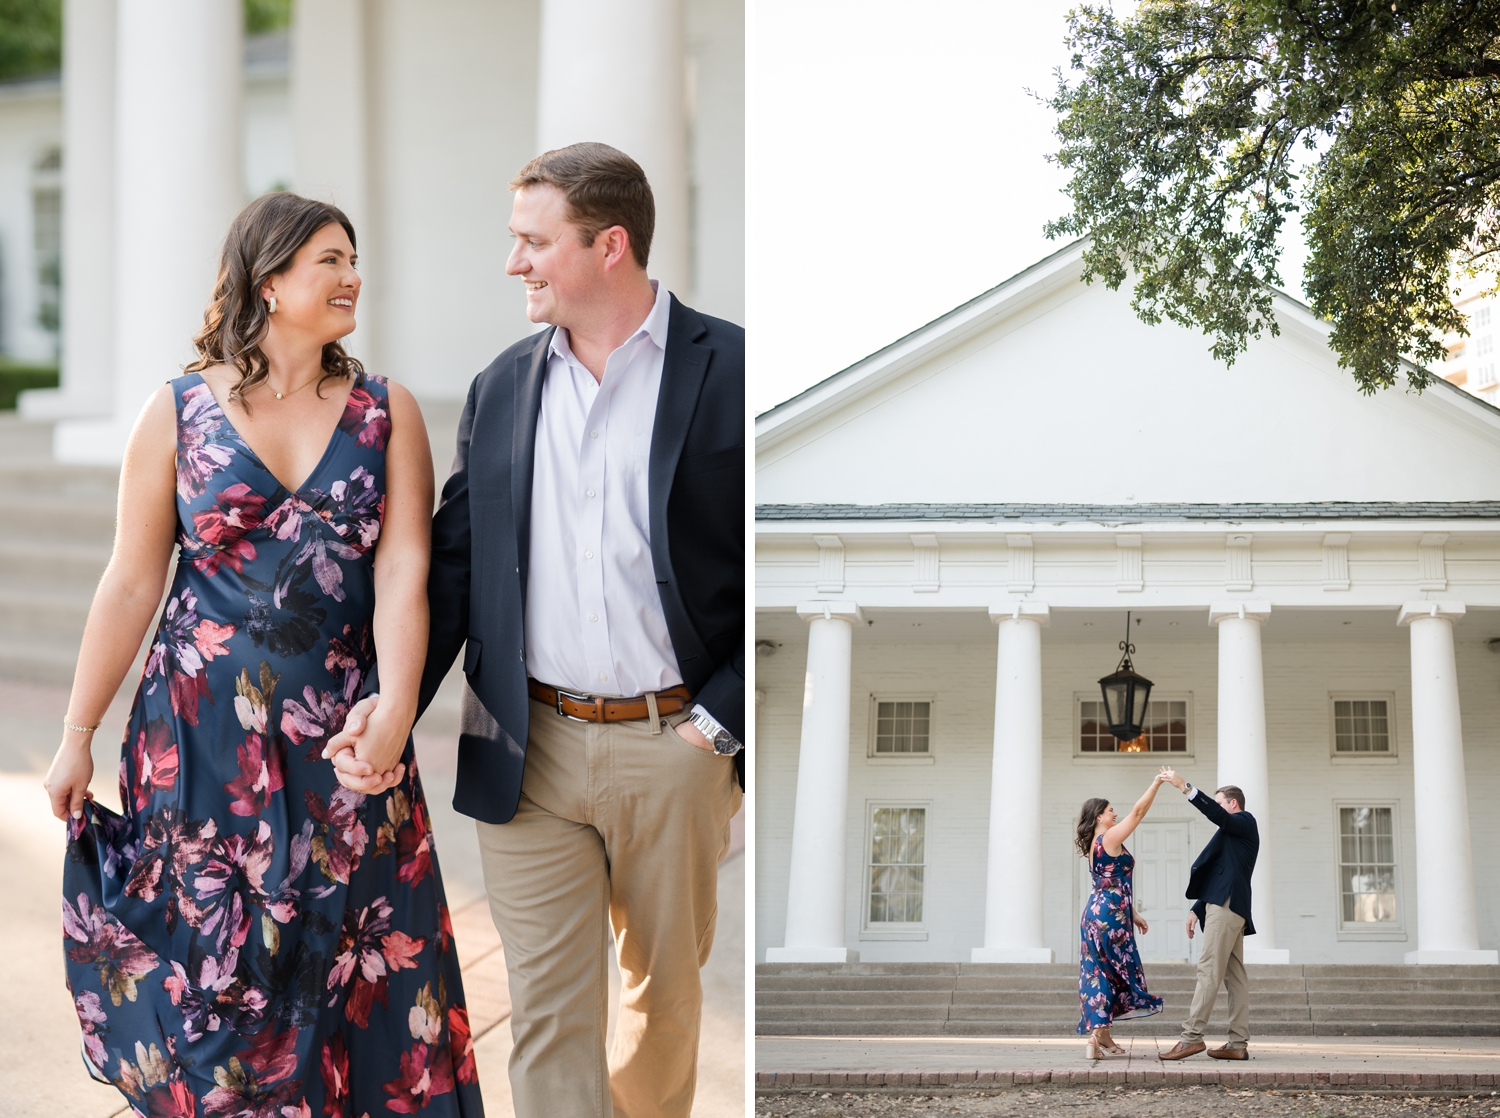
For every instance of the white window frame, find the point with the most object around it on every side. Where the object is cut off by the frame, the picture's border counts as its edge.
(1362, 931)
(928, 758)
(914, 931)
(1150, 760)
(1387, 758)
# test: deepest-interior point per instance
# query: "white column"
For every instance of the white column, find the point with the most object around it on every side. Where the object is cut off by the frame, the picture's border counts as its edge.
(88, 84)
(178, 76)
(815, 895)
(1242, 754)
(1014, 929)
(613, 71)
(1447, 920)
(329, 105)
(331, 149)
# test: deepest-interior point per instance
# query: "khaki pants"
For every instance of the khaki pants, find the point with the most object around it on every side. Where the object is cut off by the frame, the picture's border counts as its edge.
(615, 824)
(1222, 961)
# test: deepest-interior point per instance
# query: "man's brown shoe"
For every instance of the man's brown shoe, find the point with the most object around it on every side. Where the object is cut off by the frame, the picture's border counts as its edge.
(1228, 1053)
(1183, 1050)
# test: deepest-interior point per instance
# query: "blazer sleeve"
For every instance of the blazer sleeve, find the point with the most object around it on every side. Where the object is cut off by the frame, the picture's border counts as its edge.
(448, 577)
(723, 696)
(1229, 823)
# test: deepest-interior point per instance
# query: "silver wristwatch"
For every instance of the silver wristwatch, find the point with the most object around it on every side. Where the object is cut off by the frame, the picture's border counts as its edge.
(724, 742)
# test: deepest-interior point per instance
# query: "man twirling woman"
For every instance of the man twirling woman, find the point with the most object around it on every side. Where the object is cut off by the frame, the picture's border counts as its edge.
(1111, 982)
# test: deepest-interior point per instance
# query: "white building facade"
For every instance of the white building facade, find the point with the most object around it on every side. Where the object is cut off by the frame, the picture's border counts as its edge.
(410, 115)
(949, 537)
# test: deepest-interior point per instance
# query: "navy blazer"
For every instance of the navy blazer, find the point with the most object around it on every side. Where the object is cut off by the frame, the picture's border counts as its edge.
(1224, 867)
(481, 546)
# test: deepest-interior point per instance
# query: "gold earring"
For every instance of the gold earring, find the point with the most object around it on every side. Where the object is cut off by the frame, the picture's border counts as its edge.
(271, 305)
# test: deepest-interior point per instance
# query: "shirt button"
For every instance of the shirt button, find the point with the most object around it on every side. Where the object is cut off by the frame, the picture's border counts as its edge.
(602, 677)
(590, 492)
(593, 434)
(593, 617)
(588, 554)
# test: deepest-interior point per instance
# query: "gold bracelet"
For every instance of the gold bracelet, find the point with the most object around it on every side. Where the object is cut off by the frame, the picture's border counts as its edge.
(79, 729)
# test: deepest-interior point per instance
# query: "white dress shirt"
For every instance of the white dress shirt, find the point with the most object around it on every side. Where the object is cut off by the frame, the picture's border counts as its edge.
(594, 622)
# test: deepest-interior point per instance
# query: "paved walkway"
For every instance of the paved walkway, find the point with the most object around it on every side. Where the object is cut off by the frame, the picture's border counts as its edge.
(42, 1075)
(1428, 1062)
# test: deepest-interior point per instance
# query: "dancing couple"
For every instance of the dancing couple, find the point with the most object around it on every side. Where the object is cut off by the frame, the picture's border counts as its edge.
(263, 932)
(1111, 981)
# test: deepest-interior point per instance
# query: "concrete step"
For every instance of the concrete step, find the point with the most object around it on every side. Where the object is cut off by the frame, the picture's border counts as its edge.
(45, 518)
(37, 660)
(992, 999)
(43, 613)
(71, 566)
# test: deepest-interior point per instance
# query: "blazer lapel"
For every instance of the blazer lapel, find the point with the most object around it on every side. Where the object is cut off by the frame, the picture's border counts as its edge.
(530, 373)
(683, 370)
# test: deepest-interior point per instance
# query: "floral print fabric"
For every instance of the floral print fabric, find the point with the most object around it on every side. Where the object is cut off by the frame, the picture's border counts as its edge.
(1111, 982)
(251, 939)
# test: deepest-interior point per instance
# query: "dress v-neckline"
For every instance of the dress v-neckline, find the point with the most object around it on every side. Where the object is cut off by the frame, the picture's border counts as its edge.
(261, 462)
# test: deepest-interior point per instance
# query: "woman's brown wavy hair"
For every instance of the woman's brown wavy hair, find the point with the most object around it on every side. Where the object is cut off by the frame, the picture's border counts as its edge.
(261, 243)
(1088, 819)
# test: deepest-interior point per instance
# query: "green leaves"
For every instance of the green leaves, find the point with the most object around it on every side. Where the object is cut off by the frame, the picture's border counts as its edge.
(1189, 130)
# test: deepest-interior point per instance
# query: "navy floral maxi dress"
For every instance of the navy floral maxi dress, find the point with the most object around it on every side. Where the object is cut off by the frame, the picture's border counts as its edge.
(1111, 982)
(251, 939)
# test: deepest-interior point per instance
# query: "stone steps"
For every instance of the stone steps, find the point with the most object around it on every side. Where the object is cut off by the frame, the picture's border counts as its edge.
(57, 526)
(925, 999)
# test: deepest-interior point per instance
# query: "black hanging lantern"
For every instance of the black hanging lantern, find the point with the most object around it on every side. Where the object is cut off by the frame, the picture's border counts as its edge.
(1125, 694)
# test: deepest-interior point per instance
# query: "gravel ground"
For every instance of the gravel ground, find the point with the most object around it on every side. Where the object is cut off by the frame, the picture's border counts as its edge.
(1176, 1102)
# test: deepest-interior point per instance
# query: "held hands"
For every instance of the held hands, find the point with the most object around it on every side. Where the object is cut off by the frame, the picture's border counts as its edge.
(1169, 775)
(366, 753)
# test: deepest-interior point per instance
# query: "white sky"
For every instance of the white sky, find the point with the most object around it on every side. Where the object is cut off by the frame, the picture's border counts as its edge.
(895, 170)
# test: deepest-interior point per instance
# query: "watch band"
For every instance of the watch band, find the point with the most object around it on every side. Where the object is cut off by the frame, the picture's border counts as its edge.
(725, 744)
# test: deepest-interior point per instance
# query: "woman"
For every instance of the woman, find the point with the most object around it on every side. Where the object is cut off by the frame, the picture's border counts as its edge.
(251, 938)
(1111, 983)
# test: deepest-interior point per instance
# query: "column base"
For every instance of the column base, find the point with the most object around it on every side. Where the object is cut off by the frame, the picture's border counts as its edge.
(1453, 958)
(1267, 956)
(1011, 955)
(90, 442)
(50, 404)
(811, 955)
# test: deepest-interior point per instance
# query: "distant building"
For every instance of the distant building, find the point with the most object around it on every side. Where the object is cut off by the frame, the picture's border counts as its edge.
(1472, 361)
(31, 186)
(948, 541)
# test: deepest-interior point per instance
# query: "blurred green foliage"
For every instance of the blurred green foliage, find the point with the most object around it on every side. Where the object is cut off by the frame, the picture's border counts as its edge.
(15, 379)
(31, 32)
(267, 15)
(30, 38)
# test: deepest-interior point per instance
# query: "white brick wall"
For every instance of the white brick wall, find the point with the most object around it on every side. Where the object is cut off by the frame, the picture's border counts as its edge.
(1305, 781)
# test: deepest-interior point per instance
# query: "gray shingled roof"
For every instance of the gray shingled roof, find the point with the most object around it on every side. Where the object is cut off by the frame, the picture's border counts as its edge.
(1313, 510)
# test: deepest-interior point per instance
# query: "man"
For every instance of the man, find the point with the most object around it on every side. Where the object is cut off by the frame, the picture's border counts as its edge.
(588, 555)
(1219, 884)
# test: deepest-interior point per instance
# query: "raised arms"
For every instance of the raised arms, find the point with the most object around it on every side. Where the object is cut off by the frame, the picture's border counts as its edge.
(1114, 838)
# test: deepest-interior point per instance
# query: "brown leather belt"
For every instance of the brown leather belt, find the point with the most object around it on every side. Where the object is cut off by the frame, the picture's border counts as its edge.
(597, 708)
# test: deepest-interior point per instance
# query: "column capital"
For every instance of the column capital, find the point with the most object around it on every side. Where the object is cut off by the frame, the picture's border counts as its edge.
(829, 610)
(1256, 609)
(1415, 611)
(1021, 611)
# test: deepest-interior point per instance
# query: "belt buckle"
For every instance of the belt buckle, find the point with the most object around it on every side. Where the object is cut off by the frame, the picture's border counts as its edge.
(577, 698)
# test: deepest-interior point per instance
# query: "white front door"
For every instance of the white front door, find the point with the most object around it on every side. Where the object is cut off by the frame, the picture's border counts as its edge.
(1163, 856)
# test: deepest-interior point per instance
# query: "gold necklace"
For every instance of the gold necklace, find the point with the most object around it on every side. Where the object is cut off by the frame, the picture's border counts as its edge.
(293, 392)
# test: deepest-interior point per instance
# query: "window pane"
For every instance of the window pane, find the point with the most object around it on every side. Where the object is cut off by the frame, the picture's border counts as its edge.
(1367, 853)
(897, 852)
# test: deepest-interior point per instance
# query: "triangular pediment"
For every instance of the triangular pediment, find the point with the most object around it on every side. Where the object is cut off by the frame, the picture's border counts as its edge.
(1049, 390)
